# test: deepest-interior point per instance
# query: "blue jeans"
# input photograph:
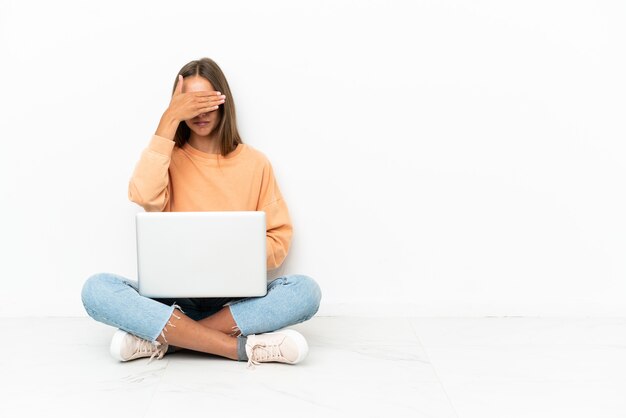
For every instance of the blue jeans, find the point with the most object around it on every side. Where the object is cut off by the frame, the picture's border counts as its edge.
(114, 300)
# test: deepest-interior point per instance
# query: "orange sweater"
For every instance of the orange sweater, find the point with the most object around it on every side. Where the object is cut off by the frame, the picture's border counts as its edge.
(172, 179)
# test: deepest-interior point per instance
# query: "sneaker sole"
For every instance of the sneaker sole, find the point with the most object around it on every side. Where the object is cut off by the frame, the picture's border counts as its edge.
(116, 343)
(303, 346)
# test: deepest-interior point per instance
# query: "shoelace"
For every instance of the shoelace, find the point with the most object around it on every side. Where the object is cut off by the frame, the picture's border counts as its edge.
(260, 353)
(145, 346)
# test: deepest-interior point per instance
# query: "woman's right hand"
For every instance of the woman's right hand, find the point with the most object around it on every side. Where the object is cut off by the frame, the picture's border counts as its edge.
(185, 106)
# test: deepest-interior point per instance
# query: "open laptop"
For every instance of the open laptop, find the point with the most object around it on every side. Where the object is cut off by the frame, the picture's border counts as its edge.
(201, 254)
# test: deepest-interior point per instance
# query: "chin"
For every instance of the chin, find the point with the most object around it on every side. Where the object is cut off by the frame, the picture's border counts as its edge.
(203, 134)
(200, 132)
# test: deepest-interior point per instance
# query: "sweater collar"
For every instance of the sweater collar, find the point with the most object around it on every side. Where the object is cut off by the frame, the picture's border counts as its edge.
(204, 155)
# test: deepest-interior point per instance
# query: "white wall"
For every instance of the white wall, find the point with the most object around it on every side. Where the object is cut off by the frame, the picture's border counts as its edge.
(438, 157)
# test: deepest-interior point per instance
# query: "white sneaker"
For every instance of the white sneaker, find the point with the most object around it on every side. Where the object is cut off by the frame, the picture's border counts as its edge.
(126, 346)
(285, 346)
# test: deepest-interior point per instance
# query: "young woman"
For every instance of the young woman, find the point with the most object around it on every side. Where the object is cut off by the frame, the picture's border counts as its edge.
(196, 161)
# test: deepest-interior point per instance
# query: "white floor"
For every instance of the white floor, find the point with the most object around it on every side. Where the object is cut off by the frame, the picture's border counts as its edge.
(357, 367)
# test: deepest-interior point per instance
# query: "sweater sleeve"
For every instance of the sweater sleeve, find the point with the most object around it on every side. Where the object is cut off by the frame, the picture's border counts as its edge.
(278, 221)
(149, 184)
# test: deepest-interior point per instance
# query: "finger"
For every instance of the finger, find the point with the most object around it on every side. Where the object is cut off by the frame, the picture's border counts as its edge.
(209, 105)
(206, 93)
(179, 85)
(206, 102)
(204, 111)
(209, 109)
(205, 99)
(213, 100)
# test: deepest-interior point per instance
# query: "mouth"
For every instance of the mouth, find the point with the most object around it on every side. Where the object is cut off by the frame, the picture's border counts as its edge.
(201, 123)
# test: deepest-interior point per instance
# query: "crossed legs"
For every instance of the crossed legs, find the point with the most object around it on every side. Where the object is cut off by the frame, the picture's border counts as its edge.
(213, 335)
(114, 300)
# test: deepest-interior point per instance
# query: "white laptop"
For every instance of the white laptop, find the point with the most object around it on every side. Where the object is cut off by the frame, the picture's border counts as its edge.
(201, 254)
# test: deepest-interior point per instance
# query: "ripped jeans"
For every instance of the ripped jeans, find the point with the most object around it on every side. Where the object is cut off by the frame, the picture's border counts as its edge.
(114, 300)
